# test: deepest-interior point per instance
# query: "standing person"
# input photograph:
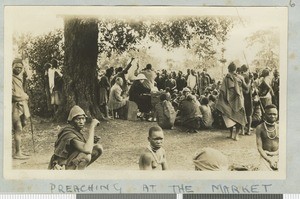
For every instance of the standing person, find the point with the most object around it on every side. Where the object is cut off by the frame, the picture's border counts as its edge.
(72, 151)
(55, 84)
(267, 139)
(116, 102)
(265, 91)
(104, 88)
(150, 75)
(180, 81)
(204, 81)
(188, 72)
(159, 81)
(231, 101)
(46, 86)
(275, 88)
(192, 81)
(20, 109)
(154, 157)
(248, 100)
(165, 112)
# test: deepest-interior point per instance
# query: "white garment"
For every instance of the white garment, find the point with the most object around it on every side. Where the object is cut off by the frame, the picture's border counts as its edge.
(191, 81)
(51, 75)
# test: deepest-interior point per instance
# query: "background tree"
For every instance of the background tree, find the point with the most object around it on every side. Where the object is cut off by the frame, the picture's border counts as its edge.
(267, 41)
(80, 77)
(39, 50)
(91, 41)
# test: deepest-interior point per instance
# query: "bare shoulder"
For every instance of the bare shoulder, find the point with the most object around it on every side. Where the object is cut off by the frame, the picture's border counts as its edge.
(146, 155)
(163, 150)
(259, 129)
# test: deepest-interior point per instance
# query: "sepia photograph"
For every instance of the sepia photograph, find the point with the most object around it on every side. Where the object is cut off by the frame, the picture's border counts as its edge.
(145, 92)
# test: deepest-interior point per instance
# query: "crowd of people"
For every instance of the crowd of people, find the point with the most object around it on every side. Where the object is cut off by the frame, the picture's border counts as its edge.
(193, 100)
(243, 100)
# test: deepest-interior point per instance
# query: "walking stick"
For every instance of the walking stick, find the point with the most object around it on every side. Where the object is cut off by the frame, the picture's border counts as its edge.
(260, 104)
(31, 126)
(25, 87)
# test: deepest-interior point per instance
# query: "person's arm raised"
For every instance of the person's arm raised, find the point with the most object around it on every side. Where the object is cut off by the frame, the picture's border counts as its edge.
(88, 146)
(129, 65)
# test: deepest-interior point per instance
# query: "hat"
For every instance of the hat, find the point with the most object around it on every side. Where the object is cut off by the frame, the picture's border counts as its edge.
(16, 61)
(186, 90)
(140, 77)
(75, 111)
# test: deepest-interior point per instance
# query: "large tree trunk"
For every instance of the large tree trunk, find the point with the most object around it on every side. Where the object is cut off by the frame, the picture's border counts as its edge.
(80, 74)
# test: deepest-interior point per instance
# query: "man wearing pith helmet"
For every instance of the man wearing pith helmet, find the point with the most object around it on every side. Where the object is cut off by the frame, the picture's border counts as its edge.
(20, 110)
(72, 151)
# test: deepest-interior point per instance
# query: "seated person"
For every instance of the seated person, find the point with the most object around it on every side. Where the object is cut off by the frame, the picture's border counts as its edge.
(210, 159)
(140, 94)
(267, 140)
(207, 118)
(165, 112)
(116, 101)
(72, 151)
(212, 102)
(154, 157)
(189, 114)
(185, 92)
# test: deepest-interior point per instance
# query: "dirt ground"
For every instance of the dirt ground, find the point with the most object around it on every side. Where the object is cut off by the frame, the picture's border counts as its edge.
(123, 142)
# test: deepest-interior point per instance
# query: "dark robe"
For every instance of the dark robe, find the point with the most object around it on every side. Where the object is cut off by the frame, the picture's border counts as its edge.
(141, 96)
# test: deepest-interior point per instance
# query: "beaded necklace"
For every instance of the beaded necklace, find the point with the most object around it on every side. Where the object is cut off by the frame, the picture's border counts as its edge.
(158, 161)
(271, 131)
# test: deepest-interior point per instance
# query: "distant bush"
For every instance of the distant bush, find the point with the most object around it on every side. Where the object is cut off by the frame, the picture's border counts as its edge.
(39, 50)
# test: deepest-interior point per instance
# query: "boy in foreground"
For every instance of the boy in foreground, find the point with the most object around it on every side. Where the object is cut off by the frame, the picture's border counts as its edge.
(154, 157)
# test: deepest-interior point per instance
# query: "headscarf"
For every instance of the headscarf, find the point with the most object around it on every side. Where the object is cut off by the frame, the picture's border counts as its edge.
(210, 159)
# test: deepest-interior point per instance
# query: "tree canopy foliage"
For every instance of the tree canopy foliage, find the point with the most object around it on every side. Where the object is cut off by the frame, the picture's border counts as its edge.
(197, 33)
(39, 50)
(267, 41)
(118, 36)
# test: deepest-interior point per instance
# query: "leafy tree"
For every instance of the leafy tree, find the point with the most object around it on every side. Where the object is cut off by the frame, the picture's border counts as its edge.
(203, 32)
(80, 69)
(267, 41)
(86, 38)
(39, 50)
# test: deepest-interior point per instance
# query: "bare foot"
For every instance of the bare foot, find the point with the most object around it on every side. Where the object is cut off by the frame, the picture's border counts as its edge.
(20, 157)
